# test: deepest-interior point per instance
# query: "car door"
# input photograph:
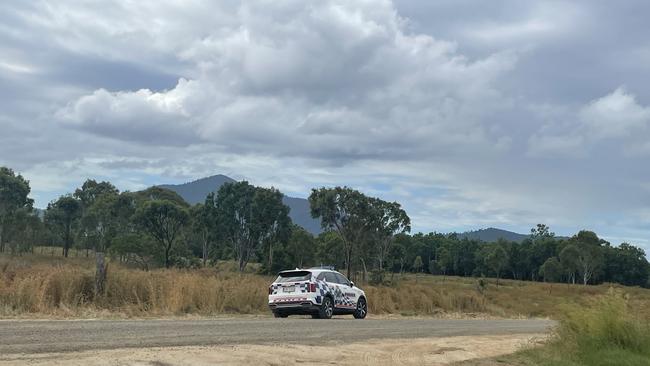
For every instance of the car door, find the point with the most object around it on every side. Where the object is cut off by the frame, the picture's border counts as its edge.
(349, 298)
(335, 287)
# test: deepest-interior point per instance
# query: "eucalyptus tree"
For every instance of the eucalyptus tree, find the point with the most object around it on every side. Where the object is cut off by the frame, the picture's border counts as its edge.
(163, 220)
(301, 247)
(99, 213)
(14, 192)
(497, 259)
(388, 220)
(345, 211)
(63, 217)
(91, 190)
(203, 225)
(569, 261)
(249, 218)
(590, 258)
(24, 229)
(551, 270)
(103, 219)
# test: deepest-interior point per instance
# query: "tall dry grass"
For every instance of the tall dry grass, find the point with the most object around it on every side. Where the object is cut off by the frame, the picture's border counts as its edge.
(421, 299)
(607, 332)
(69, 290)
(32, 285)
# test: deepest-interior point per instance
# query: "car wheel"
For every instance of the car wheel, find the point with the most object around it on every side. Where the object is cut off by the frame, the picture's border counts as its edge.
(326, 309)
(279, 315)
(362, 309)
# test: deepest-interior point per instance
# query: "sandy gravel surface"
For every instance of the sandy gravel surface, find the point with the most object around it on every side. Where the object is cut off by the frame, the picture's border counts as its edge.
(417, 351)
(65, 336)
(263, 341)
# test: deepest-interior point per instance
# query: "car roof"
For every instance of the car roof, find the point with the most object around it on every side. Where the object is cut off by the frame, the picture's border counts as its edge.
(315, 271)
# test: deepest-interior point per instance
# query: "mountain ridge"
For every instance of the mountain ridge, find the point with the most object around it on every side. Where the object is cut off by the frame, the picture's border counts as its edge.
(196, 191)
(492, 234)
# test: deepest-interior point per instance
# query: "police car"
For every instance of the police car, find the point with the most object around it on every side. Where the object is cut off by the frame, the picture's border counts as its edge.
(319, 292)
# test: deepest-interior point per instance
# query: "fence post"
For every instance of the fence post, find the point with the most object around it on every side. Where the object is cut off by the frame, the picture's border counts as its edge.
(100, 274)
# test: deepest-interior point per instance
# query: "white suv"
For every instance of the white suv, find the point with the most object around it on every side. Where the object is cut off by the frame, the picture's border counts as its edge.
(318, 292)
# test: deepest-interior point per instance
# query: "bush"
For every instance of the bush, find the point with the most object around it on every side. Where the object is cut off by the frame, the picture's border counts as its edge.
(377, 277)
(607, 333)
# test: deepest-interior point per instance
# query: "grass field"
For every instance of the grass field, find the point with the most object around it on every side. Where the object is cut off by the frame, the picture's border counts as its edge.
(606, 332)
(42, 285)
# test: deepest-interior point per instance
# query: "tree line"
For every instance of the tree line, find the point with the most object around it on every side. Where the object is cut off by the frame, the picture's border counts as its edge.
(366, 236)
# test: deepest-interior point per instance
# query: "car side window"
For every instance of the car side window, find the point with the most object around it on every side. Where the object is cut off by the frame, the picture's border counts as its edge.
(341, 279)
(330, 277)
(321, 277)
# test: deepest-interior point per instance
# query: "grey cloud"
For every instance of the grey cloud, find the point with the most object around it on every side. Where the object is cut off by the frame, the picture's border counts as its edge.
(472, 113)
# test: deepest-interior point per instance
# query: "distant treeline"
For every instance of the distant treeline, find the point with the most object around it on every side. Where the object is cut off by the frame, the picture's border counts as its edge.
(366, 236)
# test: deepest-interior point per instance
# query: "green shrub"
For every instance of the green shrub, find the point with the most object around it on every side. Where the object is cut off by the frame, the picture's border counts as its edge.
(606, 333)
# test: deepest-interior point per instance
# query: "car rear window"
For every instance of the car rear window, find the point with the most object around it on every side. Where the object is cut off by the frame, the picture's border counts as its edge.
(293, 276)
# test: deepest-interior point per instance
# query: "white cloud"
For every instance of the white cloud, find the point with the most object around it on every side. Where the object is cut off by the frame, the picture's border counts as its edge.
(615, 115)
(155, 117)
(334, 78)
(615, 122)
(469, 113)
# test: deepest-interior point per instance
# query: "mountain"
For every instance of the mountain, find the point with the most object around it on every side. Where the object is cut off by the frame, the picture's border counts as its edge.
(493, 234)
(196, 191)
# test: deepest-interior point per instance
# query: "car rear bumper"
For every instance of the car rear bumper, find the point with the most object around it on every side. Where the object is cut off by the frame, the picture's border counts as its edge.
(294, 307)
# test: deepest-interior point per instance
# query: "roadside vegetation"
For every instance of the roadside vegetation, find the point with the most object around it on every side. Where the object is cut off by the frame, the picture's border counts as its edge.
(608, 331)
(44, 286)
(149, 253)
(366, 237)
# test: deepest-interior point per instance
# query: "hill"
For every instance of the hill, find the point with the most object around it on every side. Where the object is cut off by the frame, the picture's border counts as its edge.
(493, 234)
(196, 191)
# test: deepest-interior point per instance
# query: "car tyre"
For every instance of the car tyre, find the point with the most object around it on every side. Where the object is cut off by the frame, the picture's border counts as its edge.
(326, 309)
(278, 314)
(362, 309)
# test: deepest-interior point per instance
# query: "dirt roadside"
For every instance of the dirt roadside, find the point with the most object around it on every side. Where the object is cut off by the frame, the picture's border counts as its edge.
(417, 351)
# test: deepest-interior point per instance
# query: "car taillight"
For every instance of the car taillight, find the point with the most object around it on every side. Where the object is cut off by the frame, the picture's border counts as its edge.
(270, 290)
(312, 287)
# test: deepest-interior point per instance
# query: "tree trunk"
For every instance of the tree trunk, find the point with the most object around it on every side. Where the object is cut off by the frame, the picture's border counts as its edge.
(167, 250)
(348, 257)
(66, 244)
(365, 269)
(242, 264)
(100, 274)
(2, 243)
(205, 251)
(270, 257)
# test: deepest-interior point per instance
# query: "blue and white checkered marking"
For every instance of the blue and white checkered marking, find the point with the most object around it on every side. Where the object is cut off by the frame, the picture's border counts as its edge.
(344, 297)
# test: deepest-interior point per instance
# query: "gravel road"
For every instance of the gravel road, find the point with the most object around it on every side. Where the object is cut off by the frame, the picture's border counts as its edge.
(79, 335)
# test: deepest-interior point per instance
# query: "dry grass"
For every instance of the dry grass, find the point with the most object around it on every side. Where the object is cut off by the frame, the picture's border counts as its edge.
(33, 285)
(427, 294)
(605, 332)
(41, 288)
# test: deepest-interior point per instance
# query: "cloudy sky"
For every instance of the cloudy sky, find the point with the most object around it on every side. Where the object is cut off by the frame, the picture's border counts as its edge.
(470, 113)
